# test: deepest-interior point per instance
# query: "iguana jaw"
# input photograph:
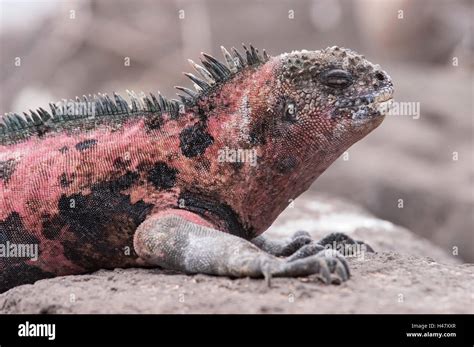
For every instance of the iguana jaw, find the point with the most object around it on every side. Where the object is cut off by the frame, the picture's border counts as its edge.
(370, 105)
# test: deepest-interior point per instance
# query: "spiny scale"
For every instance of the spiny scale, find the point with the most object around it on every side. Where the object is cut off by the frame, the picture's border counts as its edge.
(212, 71)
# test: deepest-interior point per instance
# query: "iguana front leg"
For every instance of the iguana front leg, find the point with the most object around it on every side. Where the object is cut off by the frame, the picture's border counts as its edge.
(184, 244)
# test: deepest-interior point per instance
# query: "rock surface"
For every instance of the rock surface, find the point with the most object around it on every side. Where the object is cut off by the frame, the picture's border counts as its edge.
(407, 275)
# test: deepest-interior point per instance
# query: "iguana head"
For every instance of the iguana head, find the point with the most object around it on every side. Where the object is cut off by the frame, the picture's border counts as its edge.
(313, 105)
(321, 102)
(299, 111)
(335, 90)
(308, 107)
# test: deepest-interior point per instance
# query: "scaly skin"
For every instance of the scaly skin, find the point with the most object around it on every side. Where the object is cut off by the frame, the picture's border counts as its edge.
(148, 188)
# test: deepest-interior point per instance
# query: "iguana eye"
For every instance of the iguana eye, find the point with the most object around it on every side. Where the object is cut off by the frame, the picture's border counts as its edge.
(337, 78)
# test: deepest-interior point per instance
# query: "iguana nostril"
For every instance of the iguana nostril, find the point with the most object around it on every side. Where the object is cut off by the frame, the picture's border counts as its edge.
(380, 76)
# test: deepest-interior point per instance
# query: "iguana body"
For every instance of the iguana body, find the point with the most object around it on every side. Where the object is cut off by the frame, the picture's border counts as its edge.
(148, 184)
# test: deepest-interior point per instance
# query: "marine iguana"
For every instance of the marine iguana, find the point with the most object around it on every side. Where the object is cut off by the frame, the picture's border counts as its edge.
(145, 182)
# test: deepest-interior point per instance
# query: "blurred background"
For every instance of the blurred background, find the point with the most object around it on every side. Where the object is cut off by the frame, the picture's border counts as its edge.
(69, 48)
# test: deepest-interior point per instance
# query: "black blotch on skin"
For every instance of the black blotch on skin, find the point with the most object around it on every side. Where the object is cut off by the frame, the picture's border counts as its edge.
(162, 176)
(209, 207)
(123, 182)
(154, 122)
(86, 144)
(144, 166)
(64, 149)
(19, 273)
(286, 165)
(102, 223)
(65, 181)
(237, 165)
(259, 132)
(202, 110)
(13, 230)
(120, 163)
(51, 227)
(15, 271)
(194, 140)
(7, 168)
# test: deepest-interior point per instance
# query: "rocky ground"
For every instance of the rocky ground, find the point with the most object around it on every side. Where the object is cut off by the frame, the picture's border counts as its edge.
(408, 274)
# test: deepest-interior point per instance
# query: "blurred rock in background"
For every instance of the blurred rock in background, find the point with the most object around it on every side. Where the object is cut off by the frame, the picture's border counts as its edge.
(73, 48)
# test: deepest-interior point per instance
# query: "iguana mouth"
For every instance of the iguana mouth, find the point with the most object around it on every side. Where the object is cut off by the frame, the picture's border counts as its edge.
(372, 104)
(384, 107)
(383, 95)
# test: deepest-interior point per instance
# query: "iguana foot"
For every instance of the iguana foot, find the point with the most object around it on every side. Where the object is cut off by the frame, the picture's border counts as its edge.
(185, 243)
(330, 266)
(342, 240)
(335, 241)
(283, 248)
